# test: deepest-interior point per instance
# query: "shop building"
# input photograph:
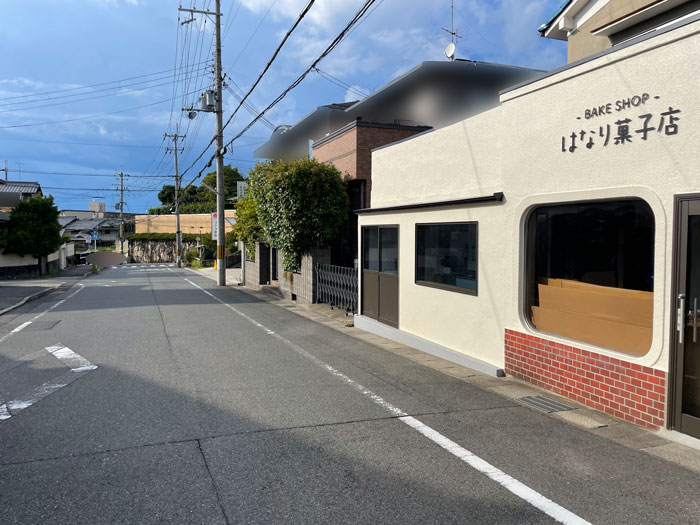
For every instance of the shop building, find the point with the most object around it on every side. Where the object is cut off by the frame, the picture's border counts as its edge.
(555, 237)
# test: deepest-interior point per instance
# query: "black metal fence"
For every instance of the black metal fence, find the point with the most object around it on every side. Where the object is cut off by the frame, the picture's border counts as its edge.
(337, 286)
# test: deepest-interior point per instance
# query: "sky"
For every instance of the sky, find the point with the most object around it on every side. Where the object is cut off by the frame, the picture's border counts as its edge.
(88, 88)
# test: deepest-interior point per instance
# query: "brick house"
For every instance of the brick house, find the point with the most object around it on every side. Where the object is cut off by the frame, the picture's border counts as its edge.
(429, 96)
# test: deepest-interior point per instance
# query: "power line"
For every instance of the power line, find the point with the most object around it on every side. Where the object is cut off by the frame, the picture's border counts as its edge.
(340, 83)
(90, 85)
(254, 32)
(90, 93)
(87, 117)
(90, 189)
(301, 77)
(110, 145)
(87, 174)
(265, 69)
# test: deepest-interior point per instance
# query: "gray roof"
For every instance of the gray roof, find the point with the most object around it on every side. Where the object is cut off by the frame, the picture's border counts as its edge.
(4, 216)
(433, 94)
(79, 225)
(64, 221)
(12, 186)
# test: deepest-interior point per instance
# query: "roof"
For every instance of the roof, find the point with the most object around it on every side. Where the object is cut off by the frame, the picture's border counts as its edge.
(563, 6)
(12, 186)
(64, 221)
(4, 216)
(433, 94)
(79, 225)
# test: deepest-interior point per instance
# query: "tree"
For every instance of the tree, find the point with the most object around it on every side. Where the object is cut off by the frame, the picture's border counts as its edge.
(199, 199)
(33, 229)
(300, 204)
(247, 227)
(231, 177)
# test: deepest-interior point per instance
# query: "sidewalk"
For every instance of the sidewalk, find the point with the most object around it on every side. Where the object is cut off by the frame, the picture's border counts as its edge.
(15, 293)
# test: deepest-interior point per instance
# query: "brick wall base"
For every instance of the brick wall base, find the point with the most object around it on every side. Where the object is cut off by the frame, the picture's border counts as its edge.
(624, 390)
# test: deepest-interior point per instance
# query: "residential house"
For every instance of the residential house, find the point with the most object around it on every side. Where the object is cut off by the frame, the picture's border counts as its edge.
(81, 231)
(430, 96)
(557, 237)
(13, 192)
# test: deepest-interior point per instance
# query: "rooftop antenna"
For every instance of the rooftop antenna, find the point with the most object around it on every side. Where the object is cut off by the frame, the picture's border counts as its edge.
(450, 49)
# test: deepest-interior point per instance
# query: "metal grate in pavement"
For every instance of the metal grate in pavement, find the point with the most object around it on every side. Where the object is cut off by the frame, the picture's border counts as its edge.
(545, 404)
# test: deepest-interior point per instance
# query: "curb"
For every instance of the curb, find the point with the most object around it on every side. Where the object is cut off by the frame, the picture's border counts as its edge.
(30, 298)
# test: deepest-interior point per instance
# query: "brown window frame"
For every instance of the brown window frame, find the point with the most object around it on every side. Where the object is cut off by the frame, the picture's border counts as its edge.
(442, 286)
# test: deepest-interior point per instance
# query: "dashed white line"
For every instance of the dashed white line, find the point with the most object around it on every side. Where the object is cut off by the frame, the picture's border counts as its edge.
(511, 484)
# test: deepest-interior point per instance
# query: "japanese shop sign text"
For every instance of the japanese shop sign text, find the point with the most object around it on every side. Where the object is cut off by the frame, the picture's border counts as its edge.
(626, 129)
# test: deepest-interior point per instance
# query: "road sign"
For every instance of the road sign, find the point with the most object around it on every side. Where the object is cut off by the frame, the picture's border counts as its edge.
(95, 237)
(214, 227)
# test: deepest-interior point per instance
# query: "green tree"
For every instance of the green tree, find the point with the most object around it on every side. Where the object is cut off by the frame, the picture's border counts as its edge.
(300, 204)
(33, 229)
(231, 177)
(247, 227)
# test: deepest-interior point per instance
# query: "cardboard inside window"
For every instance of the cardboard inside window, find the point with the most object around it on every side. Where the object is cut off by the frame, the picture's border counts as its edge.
(605, 316)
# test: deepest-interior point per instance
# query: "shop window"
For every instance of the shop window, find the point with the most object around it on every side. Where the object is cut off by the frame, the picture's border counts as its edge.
(446, 256)
(590, 272)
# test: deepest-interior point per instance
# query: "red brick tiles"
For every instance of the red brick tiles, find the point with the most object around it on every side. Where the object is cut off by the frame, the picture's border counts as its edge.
(625, 390)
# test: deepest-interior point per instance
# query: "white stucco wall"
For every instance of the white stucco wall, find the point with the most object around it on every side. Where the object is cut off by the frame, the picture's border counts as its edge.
(517, 148)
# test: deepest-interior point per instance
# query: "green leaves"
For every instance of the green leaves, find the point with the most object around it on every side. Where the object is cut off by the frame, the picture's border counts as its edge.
(33, 228)
(299, 204)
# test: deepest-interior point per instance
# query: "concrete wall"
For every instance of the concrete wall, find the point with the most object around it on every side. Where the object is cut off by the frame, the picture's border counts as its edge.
(189, 223)
(517, 149)
(152, 251)
(302, 283)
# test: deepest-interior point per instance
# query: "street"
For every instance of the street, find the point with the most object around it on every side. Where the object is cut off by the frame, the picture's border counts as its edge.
(146, 394)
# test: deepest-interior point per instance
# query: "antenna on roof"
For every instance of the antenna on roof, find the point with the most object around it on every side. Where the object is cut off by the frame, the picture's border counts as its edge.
(450, 49)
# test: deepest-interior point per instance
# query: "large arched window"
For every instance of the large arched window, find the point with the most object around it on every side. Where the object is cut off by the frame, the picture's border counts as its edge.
(590, 272)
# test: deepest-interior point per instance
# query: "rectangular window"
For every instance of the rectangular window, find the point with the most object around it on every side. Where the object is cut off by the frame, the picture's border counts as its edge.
(590, 272)
(446, 256)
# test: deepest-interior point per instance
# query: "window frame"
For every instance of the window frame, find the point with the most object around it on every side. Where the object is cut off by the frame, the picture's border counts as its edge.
(524, 272)
(442, 286)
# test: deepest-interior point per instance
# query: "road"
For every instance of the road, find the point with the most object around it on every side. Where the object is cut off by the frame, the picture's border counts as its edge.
(164, 399)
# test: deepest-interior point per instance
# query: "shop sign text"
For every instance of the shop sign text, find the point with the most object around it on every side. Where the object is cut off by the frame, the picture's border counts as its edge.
(626, 129)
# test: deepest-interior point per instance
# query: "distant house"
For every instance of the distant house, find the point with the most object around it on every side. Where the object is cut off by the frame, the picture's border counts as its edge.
(13, 192)
(80, 231)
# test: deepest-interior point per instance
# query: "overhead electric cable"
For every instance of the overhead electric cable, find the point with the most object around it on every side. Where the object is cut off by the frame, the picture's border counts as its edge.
(86, 117)
(88, 86)
(265, 69)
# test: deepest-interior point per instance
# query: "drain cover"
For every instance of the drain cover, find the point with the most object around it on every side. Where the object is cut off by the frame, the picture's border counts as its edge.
(545, 404)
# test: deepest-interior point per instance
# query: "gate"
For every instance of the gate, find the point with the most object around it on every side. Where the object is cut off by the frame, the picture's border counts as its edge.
(337, 286)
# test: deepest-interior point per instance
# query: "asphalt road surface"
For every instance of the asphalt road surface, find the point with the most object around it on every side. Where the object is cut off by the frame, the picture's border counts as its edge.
(149, 395)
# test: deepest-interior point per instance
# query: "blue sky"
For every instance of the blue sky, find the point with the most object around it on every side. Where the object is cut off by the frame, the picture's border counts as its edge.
(91, 86)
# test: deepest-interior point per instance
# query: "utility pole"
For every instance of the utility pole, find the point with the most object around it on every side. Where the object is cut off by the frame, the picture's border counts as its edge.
(178, 233)
(121, 210)
(5, 171)
(220, 190)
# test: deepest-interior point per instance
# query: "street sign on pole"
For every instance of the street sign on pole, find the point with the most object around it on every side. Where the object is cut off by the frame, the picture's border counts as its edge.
(214, 227)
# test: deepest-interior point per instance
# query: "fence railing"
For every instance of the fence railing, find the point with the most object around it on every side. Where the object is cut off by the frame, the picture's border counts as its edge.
(337, 286)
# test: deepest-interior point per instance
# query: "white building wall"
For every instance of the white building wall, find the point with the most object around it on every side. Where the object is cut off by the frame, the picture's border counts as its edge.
(516, 148)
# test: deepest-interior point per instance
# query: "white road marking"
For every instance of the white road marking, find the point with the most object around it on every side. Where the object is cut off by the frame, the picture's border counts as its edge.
(38, 316)
(511, 484)
(78, 365)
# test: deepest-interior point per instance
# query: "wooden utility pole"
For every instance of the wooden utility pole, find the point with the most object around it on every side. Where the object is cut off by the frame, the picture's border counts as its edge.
(178, 233)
